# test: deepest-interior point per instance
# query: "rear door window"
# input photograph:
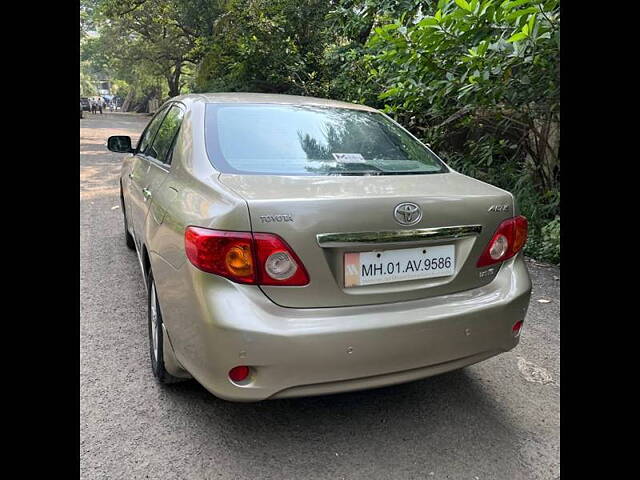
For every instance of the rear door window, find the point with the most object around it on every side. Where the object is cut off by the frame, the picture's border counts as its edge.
(167, 132)
(150, 132)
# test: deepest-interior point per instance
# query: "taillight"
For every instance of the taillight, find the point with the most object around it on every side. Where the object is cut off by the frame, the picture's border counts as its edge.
(259, 258)
(228, 254)
(508, 240)
(277, 263)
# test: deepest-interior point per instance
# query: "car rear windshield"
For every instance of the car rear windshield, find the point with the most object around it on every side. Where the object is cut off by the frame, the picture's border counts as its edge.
(308, 140)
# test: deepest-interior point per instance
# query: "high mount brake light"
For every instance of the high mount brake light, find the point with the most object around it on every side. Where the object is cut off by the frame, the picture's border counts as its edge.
(508, 240)
(258, 259)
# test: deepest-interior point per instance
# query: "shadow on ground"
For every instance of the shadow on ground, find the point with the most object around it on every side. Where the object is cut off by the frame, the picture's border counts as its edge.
(441, 418)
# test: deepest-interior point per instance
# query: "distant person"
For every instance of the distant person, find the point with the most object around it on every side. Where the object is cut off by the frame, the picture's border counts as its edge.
(93, 107)
(100, 107)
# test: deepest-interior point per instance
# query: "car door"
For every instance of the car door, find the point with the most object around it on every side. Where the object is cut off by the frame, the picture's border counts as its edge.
(159, 155)
(139, 177)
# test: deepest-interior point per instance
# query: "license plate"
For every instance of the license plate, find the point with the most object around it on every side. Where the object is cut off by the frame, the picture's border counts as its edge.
(369, 268)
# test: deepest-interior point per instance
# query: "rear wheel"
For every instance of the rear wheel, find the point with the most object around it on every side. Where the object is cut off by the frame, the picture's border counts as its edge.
(156, 336)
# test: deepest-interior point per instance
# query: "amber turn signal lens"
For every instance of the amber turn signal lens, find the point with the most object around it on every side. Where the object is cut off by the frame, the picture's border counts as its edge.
(239, 260)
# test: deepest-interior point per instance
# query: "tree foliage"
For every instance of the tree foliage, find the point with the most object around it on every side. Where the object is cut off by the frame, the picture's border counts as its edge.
(272, 46)
(87, 86)
(476, 79)
(480, 81)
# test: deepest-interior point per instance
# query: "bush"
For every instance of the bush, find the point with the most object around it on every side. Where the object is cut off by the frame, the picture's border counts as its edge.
(479, 80)
(545, 244)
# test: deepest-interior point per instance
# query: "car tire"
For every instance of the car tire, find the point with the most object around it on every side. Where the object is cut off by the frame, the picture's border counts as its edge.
(156, 336)
(128, 238)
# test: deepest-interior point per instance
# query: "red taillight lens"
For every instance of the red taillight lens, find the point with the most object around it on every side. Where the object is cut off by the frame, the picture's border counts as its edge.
(261, 258)
(520, 235)
(508, 240)
(238, 374)
(228, 254)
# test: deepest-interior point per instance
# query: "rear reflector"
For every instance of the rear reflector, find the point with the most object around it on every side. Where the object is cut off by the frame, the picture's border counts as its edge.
(516, 328)
(508, 240)
(238, 374)
(243, 257)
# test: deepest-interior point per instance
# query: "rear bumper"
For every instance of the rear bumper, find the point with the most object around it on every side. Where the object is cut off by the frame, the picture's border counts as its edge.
(299, 352)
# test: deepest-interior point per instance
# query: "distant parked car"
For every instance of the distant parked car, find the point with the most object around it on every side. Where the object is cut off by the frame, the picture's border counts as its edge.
(86, 104)
(80, 109)
(297, 246)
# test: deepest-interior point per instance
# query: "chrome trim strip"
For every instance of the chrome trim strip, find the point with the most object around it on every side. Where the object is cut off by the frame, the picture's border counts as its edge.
(396, 236)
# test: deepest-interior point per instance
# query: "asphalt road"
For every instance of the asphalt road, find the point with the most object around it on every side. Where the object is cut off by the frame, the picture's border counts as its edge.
(495, 420)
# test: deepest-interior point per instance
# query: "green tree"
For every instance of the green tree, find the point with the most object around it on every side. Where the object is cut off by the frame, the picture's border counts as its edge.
(150, 36)
(87, 86)
(480, 80)
(272, 46)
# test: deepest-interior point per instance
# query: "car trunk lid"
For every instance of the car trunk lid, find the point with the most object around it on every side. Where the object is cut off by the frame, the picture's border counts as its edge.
(324, 218)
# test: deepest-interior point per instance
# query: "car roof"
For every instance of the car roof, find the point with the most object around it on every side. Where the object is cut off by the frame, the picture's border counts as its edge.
(243, 97)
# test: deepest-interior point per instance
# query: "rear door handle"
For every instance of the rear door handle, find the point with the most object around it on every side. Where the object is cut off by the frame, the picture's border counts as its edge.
(147, 193)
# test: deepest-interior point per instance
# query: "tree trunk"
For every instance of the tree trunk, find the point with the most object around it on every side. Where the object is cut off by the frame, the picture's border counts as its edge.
(544, 148)
(173, 79)
(363, 35)
(127, 101)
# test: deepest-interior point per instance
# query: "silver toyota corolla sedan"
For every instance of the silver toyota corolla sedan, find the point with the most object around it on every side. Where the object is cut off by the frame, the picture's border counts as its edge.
(298, 246)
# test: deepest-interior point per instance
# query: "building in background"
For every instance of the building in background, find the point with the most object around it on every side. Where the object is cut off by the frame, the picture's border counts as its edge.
(104, 87)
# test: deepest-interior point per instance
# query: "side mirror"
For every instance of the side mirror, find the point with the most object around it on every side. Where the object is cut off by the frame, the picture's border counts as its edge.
(119, 144)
